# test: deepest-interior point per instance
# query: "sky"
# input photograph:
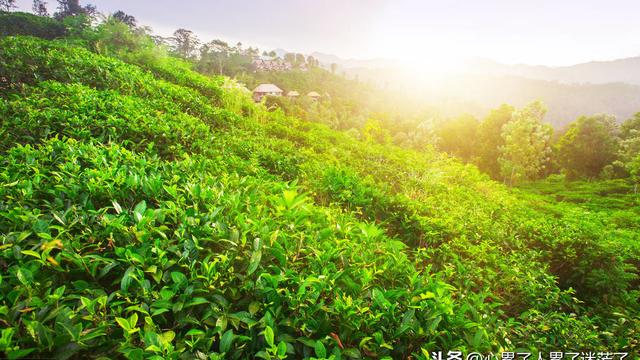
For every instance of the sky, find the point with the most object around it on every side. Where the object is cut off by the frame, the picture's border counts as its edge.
(542, 32)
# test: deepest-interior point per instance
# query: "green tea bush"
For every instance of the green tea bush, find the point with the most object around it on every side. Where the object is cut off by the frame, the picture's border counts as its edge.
(437, 207)
(29, 60)
(55, 109)
(145, 216)
(159, 258)
(20, 23)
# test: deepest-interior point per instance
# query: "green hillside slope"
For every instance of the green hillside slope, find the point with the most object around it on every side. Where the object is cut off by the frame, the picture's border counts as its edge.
(147, 210)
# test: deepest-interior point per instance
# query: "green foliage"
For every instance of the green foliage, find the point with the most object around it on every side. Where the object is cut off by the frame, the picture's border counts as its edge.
(458, 137)
(185, 43)
(588, 146)
(490, 139)
(75, 111)
(373, 131)
(611, 210)
(349, 103)
(28, 60)
(115, 38)
(73, 9)
(630, 148)
(424, 136)
(630, 127)
(146, 227)
(526, 144)
(218, 57)
(20, 23)
(152, 212)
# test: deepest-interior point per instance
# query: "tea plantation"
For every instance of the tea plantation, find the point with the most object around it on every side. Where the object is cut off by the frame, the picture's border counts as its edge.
(148, 211)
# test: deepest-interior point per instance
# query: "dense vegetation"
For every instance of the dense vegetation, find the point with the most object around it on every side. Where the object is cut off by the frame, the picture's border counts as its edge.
(149, 211)
(511, 145)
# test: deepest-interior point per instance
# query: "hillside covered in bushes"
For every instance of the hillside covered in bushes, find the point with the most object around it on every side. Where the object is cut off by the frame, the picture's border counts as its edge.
(149, 211)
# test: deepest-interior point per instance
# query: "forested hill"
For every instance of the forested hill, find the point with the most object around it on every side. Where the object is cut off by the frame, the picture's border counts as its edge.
(149, 211)
(479, 90)
(594, 72)
(566, 101)
(608, 87)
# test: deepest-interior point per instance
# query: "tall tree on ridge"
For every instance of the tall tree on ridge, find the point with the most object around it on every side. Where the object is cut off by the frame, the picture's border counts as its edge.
(7, 5)
(526, 149)
(39, 8)
(185, 43)
(290, 58)
(490, 139)
(125, 18)
(73, 8)
(588, 146)
(458, 136)
(629, 153)
(214, 54)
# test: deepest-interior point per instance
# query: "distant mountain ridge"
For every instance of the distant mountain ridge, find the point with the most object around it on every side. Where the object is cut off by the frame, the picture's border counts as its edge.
(626, 70)
(611, 87)
(327, 59)
(594, 72)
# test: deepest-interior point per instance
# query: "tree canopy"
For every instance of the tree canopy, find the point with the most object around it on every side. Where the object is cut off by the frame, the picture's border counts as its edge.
(526, 148)
(588, 146)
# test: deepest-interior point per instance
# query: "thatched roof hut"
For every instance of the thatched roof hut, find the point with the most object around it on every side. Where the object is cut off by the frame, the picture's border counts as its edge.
(266, 89)
(314, 95)
(293, 93)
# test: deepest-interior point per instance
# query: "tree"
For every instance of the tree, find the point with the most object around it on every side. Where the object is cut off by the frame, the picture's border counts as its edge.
(185, 43)
(214, 54)
(290, 58)
(164, 41)
(629, 151)
(125, 18)
(458, 136)
(312, 62)
(588, 146)
(421, 137)
(490, 139)
(629, 155)
(526, 149)
(7, 5)
(630, 127)
(73, 8)
(375, 132)
(39, 8)
(251, 52)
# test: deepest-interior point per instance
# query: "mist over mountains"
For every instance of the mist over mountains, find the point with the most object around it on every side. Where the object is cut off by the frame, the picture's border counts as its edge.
(595, 72)
(611, 87)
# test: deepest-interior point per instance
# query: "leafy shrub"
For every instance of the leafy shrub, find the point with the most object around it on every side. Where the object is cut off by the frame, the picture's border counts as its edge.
(168, 251)
(28, 60)
(145, 217)
(55, 109)
(20, 23)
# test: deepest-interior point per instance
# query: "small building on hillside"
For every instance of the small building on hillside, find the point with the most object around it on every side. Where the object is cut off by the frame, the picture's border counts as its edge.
(265, 63)
(293, 94)
(265, 90)
(314, 95)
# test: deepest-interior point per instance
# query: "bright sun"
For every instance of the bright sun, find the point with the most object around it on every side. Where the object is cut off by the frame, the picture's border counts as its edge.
(432, 56)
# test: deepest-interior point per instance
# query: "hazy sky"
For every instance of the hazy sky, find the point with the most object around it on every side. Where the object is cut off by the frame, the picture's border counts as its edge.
(549, 32)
